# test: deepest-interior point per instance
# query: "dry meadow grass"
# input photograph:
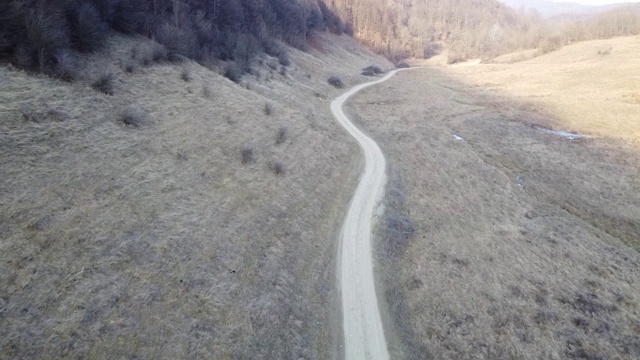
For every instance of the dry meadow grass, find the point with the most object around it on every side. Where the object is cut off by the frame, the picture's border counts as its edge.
(590, 87)
(131, 227)
(524, 244)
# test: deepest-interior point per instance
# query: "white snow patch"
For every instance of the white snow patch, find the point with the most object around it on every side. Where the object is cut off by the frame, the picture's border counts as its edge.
(564, 134)
(458, 137)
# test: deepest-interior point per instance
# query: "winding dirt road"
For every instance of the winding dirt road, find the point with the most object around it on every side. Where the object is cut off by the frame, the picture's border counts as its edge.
(362, 326)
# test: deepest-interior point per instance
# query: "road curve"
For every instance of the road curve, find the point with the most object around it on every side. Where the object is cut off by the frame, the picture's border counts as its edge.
(362, 326)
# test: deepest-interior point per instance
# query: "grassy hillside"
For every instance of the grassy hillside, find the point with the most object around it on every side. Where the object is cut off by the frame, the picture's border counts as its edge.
(502, 241)
(183, 216)
(590, 87)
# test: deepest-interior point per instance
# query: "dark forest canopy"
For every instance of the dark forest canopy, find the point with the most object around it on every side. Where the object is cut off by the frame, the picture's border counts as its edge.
(40, 35)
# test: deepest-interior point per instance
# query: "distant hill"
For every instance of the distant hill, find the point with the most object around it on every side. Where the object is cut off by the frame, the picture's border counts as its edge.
(549, 9)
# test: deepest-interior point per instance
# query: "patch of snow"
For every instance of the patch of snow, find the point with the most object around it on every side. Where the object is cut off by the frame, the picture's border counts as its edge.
(458, 137)
(564, 134)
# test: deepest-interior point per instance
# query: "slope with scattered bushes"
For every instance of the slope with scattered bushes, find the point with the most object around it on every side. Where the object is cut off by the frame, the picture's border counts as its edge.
(155, 217)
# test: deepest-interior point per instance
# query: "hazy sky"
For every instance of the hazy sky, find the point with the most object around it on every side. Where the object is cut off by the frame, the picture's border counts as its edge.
(595, 2)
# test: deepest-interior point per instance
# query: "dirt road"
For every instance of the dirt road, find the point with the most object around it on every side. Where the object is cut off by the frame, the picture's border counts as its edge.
(362, 327)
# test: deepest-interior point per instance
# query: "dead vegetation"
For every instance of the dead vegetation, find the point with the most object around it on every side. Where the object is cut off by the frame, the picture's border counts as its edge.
(155, 241)
(503, 260)
(335, 82)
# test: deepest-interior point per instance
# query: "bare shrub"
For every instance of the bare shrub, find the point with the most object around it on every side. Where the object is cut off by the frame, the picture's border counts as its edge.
(372, 70)
(158, 52)
(104, 83)
(335, 82)
(454, 57)
(130, 67)
(268, 108)
(284, 59)
(281, 135)
(133, 116)
(30, 113)
(185, 75)
(66, 66)
(277, 168)
(604, 52)
(247, 155)
(42, 112)
(402, 65)
(398, 229)
(207, 91)
(368, 73)
(56, 114)
(272, 47)
(233, 71)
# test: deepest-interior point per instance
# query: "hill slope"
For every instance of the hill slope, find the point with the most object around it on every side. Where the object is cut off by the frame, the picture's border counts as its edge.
(184, 216)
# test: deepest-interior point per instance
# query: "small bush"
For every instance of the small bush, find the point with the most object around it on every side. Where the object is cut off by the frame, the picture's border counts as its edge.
(104, 83)
(132, 117)
(283, 71)
(335, 82)
(372, 70)
(206, 91)
(272, 47)
(430, 51)
(268, 108)
(284, 59)
(66, 67)
(277, 168)
(247, 155)
(158, 52)
(185, 75)
(233, 71)
(399, 229)
(130, 67)
(281, 135)
(29, 113)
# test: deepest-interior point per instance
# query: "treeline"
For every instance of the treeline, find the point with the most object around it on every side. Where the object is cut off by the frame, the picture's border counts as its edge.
(623, 21)
(552, 34)
(43, 35)
(470, 28)
(404, 28)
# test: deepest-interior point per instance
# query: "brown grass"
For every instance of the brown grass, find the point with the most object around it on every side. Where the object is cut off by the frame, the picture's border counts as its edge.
(525, 244)
(156, 242)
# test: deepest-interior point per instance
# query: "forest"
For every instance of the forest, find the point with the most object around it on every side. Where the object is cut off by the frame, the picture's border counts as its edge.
(471, 28)
(44, 35)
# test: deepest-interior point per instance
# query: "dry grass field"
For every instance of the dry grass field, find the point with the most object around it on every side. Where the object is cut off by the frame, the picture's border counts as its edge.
(523, 244)
(590, 87)
(184, 216)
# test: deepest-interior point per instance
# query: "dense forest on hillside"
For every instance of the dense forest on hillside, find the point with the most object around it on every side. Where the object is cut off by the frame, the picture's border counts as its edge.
(44, 35)
(47, 35)
(401, 28)
(471, 28)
